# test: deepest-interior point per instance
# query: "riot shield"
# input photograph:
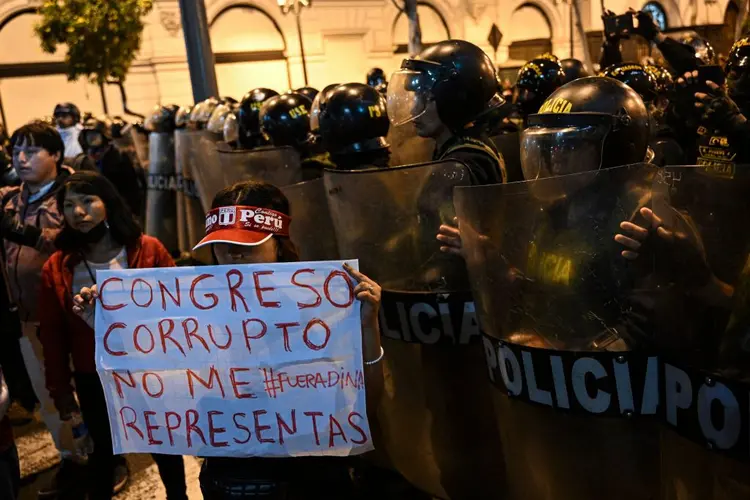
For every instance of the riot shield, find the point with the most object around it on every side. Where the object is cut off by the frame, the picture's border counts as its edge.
(191, 215)
(434, 420)
(407, 148)
(509, 146)
(277, 166)
(312, 228)
(161, 196)
(141, 145)
(559, 308)
(706, 457)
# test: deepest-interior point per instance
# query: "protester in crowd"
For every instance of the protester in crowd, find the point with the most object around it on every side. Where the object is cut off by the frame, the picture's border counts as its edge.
(681, 57)
(68, 121)
(98, 233)
(300, 477)
(10, 471)
(29, 225)
(96, 140)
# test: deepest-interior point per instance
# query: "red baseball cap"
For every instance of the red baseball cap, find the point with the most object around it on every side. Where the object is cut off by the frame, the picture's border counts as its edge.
(240, 225)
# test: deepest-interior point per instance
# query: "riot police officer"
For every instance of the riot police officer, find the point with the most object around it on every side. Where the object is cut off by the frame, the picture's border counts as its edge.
(248, 117)
(96, 141)
(377, 80)
(68, 122)
(218, 119)
(664, 142)
(537, 79)
(444, 91)
(353, 123)
(723, 127)
(201, 113)
(308, 92)
(285, 121)
(573, 69)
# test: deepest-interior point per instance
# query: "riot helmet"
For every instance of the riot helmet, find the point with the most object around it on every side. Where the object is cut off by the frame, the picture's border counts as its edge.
(182, 117)
(586, 125)
(118, 127)
(354, 120)
(704, 52)
(537, 80)
(662, 77)
(216, 122)
(65, 110)
(248, 115)
(202, 111)
(455, 74)
(285, 119)
(573, 69)
(231, 129)
(377, 80)
(318, 104)
(636, 77)
(96, 136)
(308, 92)
(162, 119)
(736, 70)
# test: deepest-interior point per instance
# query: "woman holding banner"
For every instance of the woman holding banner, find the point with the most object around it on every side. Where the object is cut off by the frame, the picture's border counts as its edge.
(99, 233)
(286, 478)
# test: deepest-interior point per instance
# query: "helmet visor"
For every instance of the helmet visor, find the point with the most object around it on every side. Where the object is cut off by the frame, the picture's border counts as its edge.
(231, 128)
(555, 151)
(408, 93)
(315, 113)
(216, 121)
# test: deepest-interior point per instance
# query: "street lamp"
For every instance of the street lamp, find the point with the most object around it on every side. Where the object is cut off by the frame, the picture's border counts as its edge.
(296, 6)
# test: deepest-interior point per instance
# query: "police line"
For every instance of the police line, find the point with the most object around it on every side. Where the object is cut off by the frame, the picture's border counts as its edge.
(429, 318)
(707, 409)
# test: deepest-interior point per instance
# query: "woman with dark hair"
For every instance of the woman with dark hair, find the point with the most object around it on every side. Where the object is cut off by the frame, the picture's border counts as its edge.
(284, 478)
(99, 233)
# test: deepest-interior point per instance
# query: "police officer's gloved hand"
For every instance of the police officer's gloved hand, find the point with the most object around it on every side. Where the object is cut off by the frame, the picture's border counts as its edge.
(646, 26)
(721, 112)
(23, 234)
(677, 258)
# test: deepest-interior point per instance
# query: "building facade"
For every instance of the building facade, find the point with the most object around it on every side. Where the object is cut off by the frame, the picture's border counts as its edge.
(256, 45)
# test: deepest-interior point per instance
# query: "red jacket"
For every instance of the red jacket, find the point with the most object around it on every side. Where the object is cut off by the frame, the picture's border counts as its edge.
(62, 332)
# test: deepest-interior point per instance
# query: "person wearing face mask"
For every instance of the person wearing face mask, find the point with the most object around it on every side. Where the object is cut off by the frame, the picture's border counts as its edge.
(96, 141)
(446, 91)
(68, 121)
(283, 478)
(29, 224)
(98, 233)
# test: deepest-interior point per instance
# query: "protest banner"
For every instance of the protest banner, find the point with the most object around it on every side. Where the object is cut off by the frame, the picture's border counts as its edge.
(247, 360)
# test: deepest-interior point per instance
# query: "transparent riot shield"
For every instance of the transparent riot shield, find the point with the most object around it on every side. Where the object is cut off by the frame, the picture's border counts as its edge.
(560, 308)
(434, 421)
(197, 149)
(277, 166)
(190, 211)
(509, 146)
(312, 228)
(140, 142)
(161, 195)
(407, 148)
(704, 447)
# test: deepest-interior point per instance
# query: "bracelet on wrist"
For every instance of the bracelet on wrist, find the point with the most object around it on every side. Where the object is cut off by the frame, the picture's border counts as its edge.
(377, 360)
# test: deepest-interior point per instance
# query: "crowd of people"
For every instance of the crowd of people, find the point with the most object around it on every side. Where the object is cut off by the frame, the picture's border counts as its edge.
(75, 190)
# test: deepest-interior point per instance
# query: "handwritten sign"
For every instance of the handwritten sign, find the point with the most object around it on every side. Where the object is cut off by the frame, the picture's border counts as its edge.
(250, 360)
